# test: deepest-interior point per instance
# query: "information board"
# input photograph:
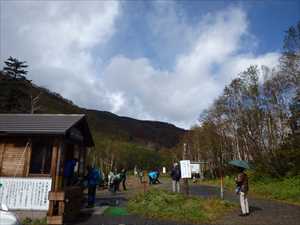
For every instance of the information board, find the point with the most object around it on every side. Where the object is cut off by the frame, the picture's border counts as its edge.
(25, 193)
(185, 168)
(195, 167)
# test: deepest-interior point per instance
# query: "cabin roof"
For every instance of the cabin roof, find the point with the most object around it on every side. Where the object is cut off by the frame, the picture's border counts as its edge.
(46, 124)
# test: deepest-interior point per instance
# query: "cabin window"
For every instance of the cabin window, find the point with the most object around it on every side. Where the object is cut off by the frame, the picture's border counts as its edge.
(41, 154)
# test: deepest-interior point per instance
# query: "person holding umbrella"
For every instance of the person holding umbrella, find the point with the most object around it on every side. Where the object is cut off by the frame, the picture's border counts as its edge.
(242, 186)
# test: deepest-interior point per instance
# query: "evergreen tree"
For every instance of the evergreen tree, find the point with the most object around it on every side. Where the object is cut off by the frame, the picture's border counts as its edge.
(15, 68)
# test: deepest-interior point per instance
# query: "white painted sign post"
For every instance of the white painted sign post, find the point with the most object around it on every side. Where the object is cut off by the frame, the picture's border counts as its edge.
(185, 168)
(25, 193)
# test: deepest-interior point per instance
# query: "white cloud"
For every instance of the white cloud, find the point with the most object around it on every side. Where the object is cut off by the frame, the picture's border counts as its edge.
(58, 38)
(181, 94)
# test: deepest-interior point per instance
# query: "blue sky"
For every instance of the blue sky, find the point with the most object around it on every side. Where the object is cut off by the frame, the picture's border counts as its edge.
(154, 60)
(267, 22)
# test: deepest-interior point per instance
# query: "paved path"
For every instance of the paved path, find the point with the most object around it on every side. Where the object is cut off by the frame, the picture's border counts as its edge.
(263, 211)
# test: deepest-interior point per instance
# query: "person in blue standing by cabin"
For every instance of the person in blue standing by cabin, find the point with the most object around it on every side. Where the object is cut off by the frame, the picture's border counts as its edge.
(69, 171)
(93, 179)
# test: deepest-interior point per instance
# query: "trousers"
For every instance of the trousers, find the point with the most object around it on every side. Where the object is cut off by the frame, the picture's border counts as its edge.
(175, 186)
(244, 202)
(91, 195)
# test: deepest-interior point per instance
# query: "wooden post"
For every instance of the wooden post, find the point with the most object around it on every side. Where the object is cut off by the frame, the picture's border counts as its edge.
(53, 176)
(55, 199)
(144, 179)
(2, 156)
(185, 180)
(54, 166)
(57, 173)
(27, 160)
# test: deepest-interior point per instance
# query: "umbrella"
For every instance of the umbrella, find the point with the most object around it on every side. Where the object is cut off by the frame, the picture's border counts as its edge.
(240, 163)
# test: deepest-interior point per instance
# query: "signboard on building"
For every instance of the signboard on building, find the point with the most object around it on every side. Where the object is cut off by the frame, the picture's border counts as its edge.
(185, 168)
(25, 193)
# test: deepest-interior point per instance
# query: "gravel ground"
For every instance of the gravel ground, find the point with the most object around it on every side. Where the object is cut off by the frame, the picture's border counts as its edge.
(263, 211)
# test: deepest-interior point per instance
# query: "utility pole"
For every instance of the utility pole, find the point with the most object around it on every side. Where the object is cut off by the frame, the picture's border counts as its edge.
(185, 180)
(34, 103)
(221, 171)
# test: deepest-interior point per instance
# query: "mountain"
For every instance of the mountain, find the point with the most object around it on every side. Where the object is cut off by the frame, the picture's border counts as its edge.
(16, 96)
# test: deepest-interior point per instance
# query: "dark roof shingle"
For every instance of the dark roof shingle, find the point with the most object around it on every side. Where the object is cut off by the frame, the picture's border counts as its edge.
(38, 123)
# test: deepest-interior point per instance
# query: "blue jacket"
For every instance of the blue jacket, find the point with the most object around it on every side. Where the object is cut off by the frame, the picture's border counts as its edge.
(69, 168)
(152, 174)
(93, 177)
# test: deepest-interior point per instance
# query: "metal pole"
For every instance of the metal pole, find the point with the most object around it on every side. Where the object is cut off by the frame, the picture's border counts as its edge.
(185, 180)
(222, 183)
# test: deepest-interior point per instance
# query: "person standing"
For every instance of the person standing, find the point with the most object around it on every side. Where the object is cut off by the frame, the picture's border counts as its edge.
(242, 188)
(141, 175)
(123, 178)
(175, 175)
(93, 179)
(69, 171)
(111, 178)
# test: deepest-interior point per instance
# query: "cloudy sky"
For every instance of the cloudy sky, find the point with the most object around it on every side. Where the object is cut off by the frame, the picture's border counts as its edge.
(152, 60)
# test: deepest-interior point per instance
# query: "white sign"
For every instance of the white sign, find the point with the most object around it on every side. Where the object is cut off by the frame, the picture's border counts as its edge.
(195, 167)
(25, 193)
(185, 169)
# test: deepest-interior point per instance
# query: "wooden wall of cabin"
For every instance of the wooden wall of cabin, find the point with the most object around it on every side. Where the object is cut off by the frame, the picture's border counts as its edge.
(14, 156)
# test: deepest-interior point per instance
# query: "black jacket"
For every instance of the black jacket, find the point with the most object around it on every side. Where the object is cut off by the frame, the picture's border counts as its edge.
(175, 173)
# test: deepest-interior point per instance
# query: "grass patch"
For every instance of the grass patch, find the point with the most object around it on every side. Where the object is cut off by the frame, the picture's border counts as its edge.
(116, 211)
(283, 189)
(28, 221)
(162, 204)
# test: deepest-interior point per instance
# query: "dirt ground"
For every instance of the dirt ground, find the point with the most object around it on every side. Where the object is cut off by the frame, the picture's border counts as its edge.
(263, 211)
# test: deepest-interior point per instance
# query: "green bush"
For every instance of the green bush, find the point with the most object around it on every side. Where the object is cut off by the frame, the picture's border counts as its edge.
(287, 189)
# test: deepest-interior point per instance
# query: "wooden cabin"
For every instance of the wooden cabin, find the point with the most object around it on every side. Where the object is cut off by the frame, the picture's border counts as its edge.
(34, 149)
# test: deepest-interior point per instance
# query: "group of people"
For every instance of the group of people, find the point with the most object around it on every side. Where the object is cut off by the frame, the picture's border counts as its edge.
(242, 186)
(95, 177)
